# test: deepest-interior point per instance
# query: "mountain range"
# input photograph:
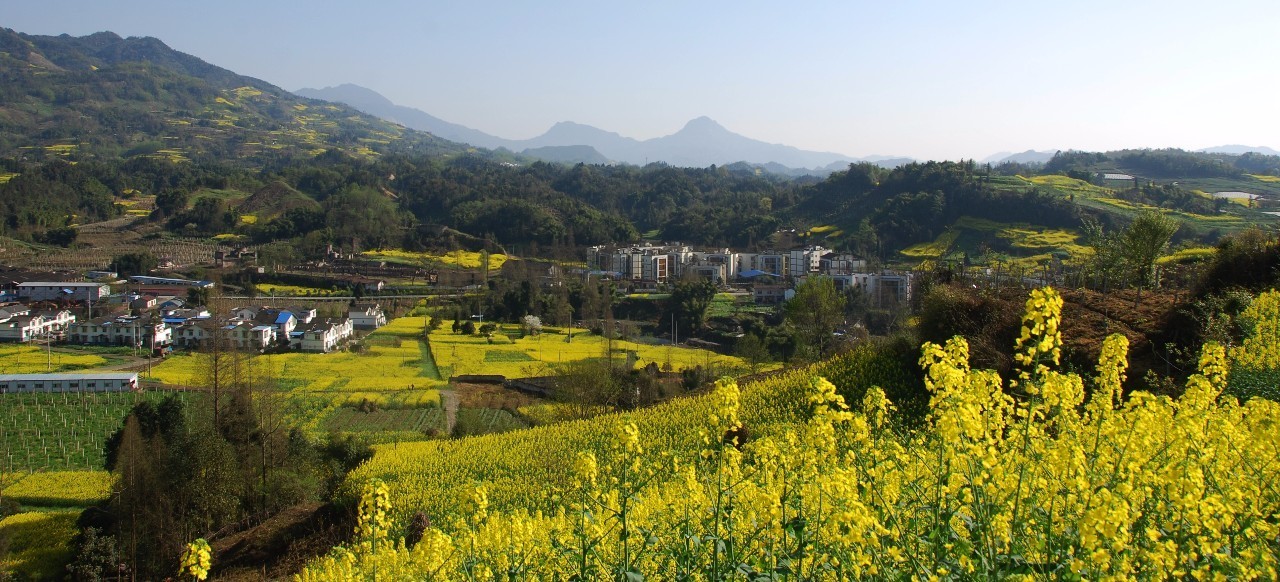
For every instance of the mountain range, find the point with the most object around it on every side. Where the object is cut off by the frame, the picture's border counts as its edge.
(102, 95)
(1027, 157)
(1237, 150)
(702, 142)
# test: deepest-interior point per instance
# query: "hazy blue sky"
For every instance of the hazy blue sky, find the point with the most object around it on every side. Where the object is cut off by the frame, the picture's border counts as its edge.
(927, 79)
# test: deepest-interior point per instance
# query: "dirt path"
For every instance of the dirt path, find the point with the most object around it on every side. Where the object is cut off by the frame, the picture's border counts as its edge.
(449, 401)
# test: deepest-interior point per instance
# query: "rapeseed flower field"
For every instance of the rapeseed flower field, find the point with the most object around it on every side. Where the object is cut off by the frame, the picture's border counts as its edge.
(1043, 475)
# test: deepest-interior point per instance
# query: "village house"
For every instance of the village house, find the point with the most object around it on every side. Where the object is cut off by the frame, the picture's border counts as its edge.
(125, 330)
(30, 326)
(248, 336)
(281, 320)
(194, 333)
(771, 294)
(324, 336)
(304, 313)
(366, 316)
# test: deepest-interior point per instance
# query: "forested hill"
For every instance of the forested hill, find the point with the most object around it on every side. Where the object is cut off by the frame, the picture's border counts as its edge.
(93, 125)
(104, 97)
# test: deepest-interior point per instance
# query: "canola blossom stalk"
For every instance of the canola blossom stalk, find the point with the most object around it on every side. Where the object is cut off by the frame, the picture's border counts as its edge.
(197, 558)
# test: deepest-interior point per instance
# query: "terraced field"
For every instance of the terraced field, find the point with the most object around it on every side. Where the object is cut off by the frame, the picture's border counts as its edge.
(1017, 244)
(455, 259)
(1102, 198)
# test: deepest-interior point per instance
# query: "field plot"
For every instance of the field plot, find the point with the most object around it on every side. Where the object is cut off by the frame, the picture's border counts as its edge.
(508, 354)
(392, 372)
(280, 290)
(392, 362)
(38, 544)
(60, 488)
(520, 467)
(1188, 255)
(1065, 184)
(1102, 198)
(418, 420)
(1024, 244)
(478, 421)
(29, 359)
(60, 431)
(455, 259)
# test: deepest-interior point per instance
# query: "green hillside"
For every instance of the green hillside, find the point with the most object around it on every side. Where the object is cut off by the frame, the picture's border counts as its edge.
(103, 96)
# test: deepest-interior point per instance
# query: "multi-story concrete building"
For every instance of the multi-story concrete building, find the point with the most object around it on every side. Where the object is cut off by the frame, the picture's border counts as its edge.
(660, 264)
(666, 263)
(884, 289)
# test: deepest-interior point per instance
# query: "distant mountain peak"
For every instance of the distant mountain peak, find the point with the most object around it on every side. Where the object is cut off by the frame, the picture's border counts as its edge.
(701, 142)
(348, 93)
(703, 124)
(1027, 157)
(573, 130)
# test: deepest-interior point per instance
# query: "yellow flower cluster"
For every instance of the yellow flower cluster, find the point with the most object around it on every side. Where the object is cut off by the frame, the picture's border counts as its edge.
(1046, 484)
(460, 259)
(374, 519)
(197, 559)
(1040, 340)
(1256, 361)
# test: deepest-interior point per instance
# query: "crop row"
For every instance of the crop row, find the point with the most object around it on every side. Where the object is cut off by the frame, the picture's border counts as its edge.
(57, 431)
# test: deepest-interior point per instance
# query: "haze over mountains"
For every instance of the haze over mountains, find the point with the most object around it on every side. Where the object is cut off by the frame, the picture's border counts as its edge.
(1027, 157)
(702, 142)
(1237, 150)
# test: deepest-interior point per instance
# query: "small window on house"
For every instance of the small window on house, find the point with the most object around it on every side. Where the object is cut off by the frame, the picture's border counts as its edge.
(93, 384)
(39, 385)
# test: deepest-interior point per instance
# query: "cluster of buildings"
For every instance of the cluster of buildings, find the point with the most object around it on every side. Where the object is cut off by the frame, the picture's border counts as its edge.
(172, 325)
(148, 319)
(772, 274)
